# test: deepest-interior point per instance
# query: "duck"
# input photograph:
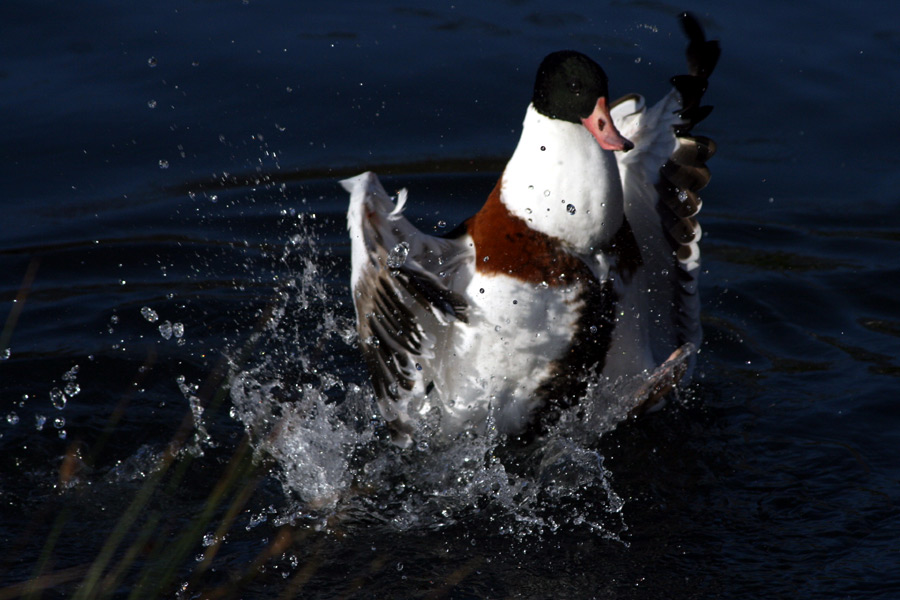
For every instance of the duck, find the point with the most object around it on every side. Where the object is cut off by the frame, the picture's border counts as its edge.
(582, 264)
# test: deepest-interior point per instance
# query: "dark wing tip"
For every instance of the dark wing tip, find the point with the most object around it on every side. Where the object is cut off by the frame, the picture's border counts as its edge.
(702, 55)
(692, 27)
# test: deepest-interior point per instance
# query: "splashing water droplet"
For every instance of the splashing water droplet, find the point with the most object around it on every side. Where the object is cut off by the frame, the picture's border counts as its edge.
(397, 255)
(58, 398)
(149, 314)
(571, 209)
(165, 330)
(682, 195)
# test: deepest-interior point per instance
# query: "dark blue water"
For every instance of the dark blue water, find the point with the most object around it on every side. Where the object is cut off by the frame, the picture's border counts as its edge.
(183, 410)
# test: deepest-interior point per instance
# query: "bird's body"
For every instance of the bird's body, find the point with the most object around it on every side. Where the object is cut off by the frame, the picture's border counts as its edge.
(582, 262)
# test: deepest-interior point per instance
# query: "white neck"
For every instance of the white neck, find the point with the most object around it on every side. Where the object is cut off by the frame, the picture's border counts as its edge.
(558, 164)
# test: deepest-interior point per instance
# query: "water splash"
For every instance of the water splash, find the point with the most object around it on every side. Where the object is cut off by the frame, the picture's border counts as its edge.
(397, 256)
(313, 419)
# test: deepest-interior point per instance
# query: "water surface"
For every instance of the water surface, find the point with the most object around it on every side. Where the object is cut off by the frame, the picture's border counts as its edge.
(185, 413)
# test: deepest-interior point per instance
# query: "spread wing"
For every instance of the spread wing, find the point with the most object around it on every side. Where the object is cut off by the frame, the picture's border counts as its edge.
(661, 178)
(401, 286)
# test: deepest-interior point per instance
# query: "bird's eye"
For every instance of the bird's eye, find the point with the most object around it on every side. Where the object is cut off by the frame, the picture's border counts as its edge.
(575, 87)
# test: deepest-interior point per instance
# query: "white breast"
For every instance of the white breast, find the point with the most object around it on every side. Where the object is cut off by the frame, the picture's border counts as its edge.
(504, 353)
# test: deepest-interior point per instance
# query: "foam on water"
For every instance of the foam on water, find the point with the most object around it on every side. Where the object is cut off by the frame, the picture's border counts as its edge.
(318, 425)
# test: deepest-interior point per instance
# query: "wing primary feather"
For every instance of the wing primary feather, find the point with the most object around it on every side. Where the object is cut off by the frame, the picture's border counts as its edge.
(404, 307)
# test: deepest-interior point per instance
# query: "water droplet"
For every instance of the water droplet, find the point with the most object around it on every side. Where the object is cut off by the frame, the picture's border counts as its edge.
(152, 62)
(151, 103)
(543, 148)
(58, 398)
(546, 193)
(571, 209)
(12, 418)
(485, 259)
(149, 314)
(441, 224)
(59, 422)
(165, 330)
(5, 354)
(515, 301)
(397, 256)
(593, 329)
(528, 211)
(163, 164)
(682, 195)
(177, 329)
(481, 290)
(39, 421)
(418, 367)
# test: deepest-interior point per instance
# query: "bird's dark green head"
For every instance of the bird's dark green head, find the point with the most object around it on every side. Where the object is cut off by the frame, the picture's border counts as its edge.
(568, 85)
